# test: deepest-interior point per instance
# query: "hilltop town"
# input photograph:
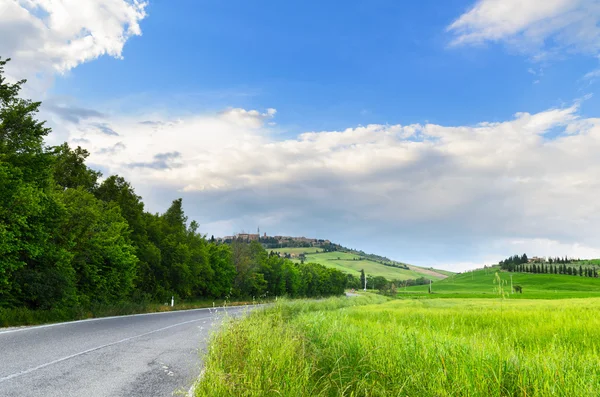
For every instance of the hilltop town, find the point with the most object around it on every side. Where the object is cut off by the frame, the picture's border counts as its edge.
(276, 241)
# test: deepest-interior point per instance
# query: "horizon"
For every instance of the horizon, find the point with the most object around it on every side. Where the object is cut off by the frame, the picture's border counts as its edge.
(441, 135)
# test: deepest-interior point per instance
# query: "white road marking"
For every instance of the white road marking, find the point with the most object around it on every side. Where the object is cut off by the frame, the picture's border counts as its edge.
(28, 328)
(27, 371)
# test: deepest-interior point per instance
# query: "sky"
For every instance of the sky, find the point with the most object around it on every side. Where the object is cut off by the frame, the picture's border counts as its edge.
(439, 133)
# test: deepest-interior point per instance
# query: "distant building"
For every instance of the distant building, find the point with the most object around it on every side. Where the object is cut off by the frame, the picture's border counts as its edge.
(536, 259)
(246, 237)
(305, 241)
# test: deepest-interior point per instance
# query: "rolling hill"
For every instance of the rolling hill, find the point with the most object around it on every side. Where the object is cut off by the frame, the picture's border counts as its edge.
(481, 284)
(352, 263)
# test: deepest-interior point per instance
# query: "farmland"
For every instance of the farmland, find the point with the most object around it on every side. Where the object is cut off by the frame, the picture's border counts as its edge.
(482, 283)
(353, 263)
(367, 346)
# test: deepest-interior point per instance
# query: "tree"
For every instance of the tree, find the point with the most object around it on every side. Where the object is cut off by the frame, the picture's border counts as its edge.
(221, 283)
(524, 258)
(103, 258)
(69, 169)
(34, 265)
(362, 278)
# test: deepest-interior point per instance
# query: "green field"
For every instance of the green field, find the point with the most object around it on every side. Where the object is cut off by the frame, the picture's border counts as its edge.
(351, 263)
(481, 283)
(425, 347)
(296, 250)
(444, 272)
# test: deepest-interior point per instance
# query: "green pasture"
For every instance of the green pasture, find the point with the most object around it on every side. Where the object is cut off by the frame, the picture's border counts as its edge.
(482, 283)
(350, 263)
(448, 347)
(296, 250)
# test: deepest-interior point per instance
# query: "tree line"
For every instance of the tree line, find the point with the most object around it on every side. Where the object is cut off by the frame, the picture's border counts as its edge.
(381, 283)
(70, 238)
(557, 265)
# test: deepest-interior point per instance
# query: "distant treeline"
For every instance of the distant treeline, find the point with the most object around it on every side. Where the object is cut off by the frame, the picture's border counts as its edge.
(556, 265)
(381, 262)
(372, 257)
(381, 283)
(69, 240)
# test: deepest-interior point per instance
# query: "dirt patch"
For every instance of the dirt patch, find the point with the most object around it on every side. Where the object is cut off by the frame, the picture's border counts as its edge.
(428, 272)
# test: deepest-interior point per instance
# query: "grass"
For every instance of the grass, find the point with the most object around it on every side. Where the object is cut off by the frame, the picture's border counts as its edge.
(480, 283)
(449, 347)
(24, 316)
(441, 271)
(296, 250)
(351, 263)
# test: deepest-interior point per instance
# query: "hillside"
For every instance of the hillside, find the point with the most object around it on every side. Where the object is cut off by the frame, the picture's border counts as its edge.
(352, 263)
(481, 283)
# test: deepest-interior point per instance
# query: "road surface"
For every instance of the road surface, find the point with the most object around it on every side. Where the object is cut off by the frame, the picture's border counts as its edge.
(140, 355)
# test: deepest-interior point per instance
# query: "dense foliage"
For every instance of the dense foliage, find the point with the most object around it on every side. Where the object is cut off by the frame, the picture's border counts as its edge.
(69, 239)
(381, 283)
(556, 265)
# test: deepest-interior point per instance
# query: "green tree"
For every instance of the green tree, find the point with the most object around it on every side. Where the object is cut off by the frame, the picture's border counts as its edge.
(69, 169)
(103, 258)
(34, 266)
(221, 283)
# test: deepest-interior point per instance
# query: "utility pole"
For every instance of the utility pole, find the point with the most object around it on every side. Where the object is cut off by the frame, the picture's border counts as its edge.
(365, 281)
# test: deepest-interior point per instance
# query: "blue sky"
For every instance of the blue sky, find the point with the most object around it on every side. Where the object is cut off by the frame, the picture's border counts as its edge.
(323, 66)
(438, 124)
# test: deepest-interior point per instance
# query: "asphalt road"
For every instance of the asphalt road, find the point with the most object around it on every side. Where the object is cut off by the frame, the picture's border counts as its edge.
(142, 355)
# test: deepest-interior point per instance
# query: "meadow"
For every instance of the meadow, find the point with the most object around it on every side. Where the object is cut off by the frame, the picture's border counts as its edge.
(351, 263)
(482, 283)
(296, 250)
(369, 346)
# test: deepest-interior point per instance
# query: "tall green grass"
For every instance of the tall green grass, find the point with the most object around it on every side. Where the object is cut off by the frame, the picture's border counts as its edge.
(450, 347)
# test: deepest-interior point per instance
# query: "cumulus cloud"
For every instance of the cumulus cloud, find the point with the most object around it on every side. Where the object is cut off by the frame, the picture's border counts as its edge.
(247, 118)
(531, 178)
(72, 114)
(107, 150)
(161, 161)
(105, 129)
(538, 27)
(57, 35)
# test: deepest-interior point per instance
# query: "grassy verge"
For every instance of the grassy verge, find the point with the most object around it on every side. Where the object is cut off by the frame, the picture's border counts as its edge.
(23, 316)
(449, 347)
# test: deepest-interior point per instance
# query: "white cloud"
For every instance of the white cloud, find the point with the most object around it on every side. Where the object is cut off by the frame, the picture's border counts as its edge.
(537, 27)
(55, 36)
(247, 118)
(592, 76)
(532, 178)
